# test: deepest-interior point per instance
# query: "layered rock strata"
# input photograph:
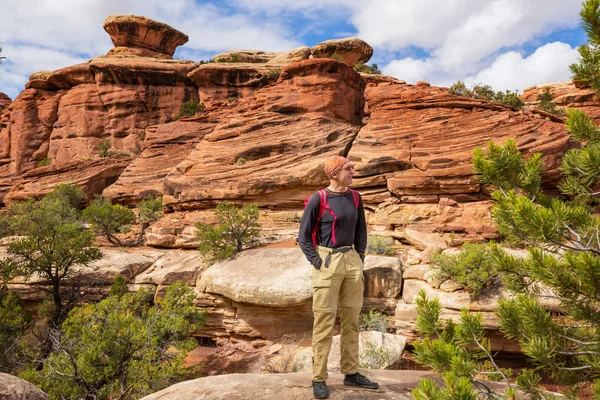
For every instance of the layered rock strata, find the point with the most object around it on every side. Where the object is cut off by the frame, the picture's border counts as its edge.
(566, 95)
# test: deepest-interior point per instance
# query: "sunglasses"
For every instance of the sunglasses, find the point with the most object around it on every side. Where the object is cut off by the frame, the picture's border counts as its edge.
(348, 167)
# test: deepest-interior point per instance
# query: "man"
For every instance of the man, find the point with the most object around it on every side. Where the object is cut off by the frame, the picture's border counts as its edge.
(333, 237)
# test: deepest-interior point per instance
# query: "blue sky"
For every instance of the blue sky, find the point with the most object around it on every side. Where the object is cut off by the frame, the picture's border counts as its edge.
(508, 44)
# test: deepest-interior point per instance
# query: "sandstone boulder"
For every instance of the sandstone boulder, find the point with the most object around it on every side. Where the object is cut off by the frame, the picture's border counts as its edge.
(291, 56)
(350, 50)
(124, 262)
(383, 282)
(487, 301)
(265, 277)
(13, 388)
(147, 37)
(423, 240)
(173, 266)
(394, 385)
(370, 345)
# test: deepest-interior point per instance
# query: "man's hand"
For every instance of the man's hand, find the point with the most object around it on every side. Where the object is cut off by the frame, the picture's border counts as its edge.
(317, 263)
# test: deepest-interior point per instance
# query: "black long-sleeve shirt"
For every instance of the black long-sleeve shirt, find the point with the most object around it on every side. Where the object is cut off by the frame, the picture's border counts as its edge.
(350, 227)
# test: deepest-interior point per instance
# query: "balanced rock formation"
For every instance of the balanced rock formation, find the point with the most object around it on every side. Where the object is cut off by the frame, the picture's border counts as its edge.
(349, 50)
(134, 35)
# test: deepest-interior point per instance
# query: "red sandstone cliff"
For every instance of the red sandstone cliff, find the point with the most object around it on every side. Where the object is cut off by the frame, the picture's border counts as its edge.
(269, 123)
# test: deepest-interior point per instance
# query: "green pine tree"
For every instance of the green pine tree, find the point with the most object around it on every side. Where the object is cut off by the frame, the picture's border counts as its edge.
(561, 235)
(124, 347)
(586, 73)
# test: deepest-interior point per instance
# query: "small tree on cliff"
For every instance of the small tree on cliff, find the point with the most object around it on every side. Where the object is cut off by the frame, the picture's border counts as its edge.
(55, 247)
(236, 229)
(108, 219)
(123, 347)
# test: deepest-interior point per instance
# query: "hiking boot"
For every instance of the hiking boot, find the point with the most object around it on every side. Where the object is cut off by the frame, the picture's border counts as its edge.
(320, 390)
(359, 380)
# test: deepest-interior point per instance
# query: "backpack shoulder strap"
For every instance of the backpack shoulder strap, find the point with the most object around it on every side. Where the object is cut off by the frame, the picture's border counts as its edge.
(322, 205)
(355, 197)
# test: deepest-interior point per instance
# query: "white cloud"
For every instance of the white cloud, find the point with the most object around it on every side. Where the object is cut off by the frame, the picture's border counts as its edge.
(509, 71)
(409, 69)
(548, 64)
(22, 61)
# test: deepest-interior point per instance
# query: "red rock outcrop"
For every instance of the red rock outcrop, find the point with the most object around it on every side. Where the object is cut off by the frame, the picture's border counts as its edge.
(143, 37)
(164, 147)
(223, 83)
(349, 50)
(270, 149)
(64, 115)
(566, 95)
(264, 133)
(91, 176)
(4, 101)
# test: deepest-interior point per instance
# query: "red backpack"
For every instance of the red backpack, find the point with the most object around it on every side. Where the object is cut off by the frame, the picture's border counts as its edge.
(323, 196)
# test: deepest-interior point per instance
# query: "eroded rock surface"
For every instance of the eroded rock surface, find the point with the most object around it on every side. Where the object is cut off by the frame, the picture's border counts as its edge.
(4, 101)
(294, 386)
(566, 95)
(270, 150)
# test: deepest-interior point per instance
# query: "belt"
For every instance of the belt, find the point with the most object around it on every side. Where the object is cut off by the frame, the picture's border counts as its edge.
(344, 249)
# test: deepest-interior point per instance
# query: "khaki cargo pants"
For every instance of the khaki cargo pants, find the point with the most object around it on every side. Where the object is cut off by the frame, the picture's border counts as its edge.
(342, 281)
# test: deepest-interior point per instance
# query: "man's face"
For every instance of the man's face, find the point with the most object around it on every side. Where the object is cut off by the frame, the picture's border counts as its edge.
(344, 175)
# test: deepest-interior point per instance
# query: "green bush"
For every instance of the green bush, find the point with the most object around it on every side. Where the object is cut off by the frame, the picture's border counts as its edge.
(462, 354)
(104, 148)
(473, 267)
(380, 245)
(485, 92)
(44, 162)
(336, 56)
(123, 347)
(546, 104)
(374, 357)
(108, 219)
(367, 69)
(189, 109)
(7, 227)
(14, 322)
(374, 321)
(237, 228)
(273, 73)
